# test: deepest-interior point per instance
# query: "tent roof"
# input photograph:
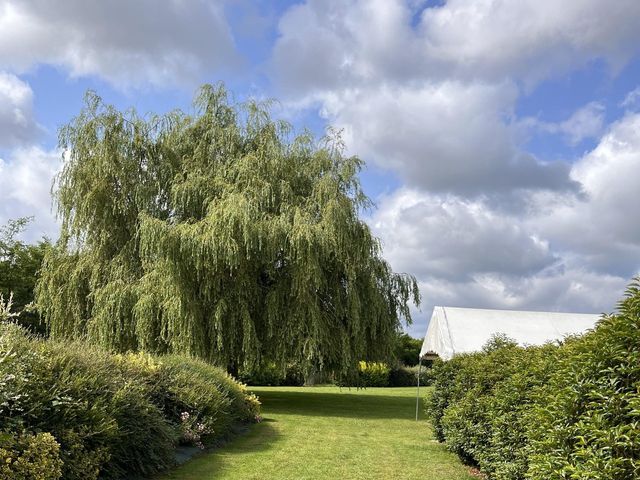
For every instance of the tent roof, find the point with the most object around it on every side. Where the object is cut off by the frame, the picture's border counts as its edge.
(458, 330)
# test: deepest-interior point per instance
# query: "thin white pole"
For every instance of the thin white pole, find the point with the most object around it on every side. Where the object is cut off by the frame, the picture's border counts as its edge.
(418, 391)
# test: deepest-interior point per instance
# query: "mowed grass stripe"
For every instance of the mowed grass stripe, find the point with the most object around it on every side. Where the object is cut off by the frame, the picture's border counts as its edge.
(315, 433)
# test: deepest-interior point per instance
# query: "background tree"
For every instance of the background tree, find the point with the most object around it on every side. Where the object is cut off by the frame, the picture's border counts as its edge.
(219, 234)
(407, 349)
(19, 267)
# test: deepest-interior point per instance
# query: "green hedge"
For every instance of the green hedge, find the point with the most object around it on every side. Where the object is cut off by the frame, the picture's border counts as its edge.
(378, 374)
(107, 416)
(591, 427)
(569, 411)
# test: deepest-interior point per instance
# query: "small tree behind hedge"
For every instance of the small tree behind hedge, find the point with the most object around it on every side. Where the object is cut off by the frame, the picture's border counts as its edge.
(20, 264)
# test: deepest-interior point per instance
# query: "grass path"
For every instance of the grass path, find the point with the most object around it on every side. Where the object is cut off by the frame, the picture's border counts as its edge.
(316, 433)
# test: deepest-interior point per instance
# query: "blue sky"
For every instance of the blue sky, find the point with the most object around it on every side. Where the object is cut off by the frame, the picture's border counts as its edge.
(502, 138)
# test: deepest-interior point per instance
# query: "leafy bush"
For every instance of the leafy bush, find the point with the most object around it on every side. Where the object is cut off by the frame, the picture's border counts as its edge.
(113, 415)
(29, 457)
(487, 416)
(402, 376)
(266, 375)
(587, 423)
(569, 411)
(209, 393)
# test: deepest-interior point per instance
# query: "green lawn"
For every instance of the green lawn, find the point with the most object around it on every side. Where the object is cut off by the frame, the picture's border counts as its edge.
(320, 433)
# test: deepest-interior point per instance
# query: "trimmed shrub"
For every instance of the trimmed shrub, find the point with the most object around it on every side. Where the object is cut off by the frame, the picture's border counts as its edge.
(113, 415)
(555, 412)
(486, 422)
(210, 396)
(587, 422)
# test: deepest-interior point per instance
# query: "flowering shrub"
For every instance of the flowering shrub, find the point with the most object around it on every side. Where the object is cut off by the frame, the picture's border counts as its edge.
(192, 430)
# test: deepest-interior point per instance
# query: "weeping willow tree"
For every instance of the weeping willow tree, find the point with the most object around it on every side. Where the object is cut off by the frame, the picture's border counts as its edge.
(219, 234)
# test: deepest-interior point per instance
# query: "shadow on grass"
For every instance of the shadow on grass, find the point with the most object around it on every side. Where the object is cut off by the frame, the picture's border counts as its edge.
(345, 405)
(258, 438)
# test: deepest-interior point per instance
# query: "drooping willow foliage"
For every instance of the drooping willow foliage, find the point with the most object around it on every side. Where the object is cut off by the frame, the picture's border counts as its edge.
(218, 234)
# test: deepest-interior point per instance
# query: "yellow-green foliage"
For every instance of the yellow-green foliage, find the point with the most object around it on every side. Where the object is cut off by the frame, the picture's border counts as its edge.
(29, 457)
(373, 374)
(218, 234)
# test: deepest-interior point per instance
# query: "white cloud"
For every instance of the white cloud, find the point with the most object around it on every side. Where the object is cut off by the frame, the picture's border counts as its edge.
(601, 229)
(564, 252)
(128, 43)
(17, 124)
(455, 239)
(326, 44)
(448, 136)
(571, 290)
(586, 122)
(529, 39)
(329, 44)
(466, 254)
(632, 99)
(25, 184)
(430, 93)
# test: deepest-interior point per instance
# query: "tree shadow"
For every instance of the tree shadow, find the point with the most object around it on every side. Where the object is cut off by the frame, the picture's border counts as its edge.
(305, 402)
(340, 404)
(257, 438)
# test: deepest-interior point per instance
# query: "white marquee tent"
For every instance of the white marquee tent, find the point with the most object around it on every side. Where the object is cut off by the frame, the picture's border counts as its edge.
(458, 330)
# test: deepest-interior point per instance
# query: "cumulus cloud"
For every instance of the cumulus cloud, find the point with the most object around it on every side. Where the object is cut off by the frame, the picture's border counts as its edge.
(588, 122)
(576, 290)
(601, 228)
(127, 43)
(568, 252)
(430, 93)
(17, 124)
(456, 239)
(25, 184)
(529, 39)
(328, 44)
(448, 136)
